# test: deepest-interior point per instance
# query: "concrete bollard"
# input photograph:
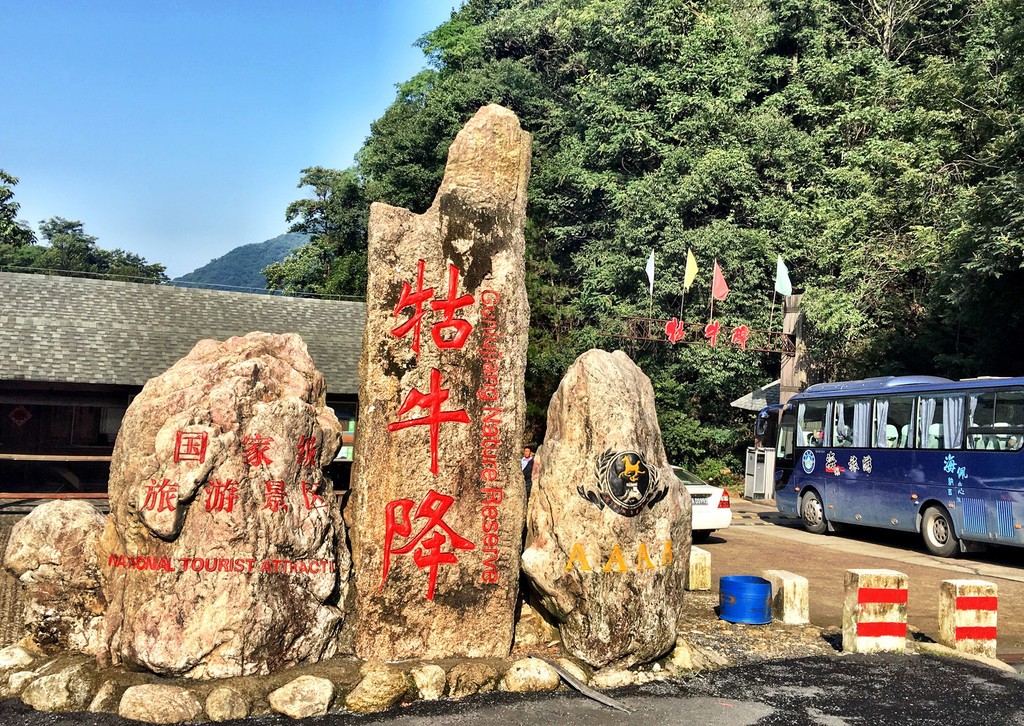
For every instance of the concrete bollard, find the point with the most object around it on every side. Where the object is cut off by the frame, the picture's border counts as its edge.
(875, 611)
(700, 570)
(967, 616)
(790, 599)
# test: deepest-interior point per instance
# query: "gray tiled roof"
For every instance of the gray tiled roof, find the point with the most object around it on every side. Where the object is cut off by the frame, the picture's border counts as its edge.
(77, 330)
(766, 395)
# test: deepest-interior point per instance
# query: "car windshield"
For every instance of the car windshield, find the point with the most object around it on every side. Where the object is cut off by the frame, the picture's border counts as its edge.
(686, 476)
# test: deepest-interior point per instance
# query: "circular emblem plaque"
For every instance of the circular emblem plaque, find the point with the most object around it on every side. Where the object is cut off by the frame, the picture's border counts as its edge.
(624, 483)
(807, 461)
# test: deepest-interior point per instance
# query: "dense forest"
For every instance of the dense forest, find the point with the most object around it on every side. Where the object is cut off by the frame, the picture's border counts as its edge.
(876, 146)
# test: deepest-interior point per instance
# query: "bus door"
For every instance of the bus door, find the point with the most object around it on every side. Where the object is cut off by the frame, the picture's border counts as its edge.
(849, 474)
(785, 449)
(898, 468)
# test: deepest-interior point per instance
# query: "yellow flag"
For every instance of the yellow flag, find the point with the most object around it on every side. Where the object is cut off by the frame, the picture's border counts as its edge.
(691, 269)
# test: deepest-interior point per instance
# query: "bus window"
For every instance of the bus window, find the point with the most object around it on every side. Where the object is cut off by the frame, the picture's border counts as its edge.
(940, 422)
(784, 447)
(996, 421)
(810, 424)
(893, 418)
(852, 423)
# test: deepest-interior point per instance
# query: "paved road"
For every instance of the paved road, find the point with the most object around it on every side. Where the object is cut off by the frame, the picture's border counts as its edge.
(760, 538)
(823, 691)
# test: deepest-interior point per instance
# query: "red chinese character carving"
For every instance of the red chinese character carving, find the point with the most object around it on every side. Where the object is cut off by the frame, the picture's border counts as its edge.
(275, 497)
(674, 330)
(221, 495)
(307, 451)
(256, 449)
(160, 496)
(711, 331)
(190, 446)
(428, 553)
(740, 335)
(415, 300)
(431, 401)
(462, 327)
(310, 497)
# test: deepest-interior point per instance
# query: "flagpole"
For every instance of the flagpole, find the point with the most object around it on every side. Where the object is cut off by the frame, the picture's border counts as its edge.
(771, 319)
(650, 317)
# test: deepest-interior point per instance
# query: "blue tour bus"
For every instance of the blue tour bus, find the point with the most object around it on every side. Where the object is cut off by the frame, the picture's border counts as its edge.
(911, 453)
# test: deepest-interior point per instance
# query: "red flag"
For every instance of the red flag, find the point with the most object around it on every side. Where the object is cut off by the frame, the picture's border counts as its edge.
(718, 288)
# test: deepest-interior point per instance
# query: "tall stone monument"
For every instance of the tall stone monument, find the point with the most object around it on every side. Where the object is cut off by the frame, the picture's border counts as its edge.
(438, 496)
(224, 553)
(608, 538)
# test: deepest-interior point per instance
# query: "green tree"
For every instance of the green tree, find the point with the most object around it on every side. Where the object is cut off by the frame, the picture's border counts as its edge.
(976, 299)
(14, 234)
(334, 216)
(70, 250)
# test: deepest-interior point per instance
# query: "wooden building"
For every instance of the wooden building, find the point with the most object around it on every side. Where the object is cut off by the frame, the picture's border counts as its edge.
(75, 351)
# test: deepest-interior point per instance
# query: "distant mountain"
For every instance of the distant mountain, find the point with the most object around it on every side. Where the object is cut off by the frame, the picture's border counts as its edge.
(240, 268)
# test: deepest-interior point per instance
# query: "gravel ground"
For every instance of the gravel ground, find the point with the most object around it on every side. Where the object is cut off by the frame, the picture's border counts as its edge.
(740, 644)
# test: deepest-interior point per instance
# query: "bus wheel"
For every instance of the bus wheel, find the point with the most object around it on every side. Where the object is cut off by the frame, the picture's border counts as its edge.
(937, 531)
(813, 513)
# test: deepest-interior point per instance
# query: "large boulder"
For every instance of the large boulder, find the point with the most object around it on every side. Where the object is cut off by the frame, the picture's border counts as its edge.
(53, 552)
(438, 497)
(608, 527)
(224, 554)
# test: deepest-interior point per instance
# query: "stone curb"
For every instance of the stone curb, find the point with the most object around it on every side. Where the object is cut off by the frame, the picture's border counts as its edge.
(927, 648)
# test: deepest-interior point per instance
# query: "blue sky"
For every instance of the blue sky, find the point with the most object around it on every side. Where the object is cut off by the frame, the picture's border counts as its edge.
(177, 130)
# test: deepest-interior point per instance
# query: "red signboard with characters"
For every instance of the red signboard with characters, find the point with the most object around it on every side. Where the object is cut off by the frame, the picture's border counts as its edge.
(739, 336)
(307, 451)
(432, 402)
(415, 300)
(190, 446)
(256, 448)
(711, 331)
(462, 327)
(274, 498)
(221, 495)
(310, 498)
(161, 497)
(427, 548)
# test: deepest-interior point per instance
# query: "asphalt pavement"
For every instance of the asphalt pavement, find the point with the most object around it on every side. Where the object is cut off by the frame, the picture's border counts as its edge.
(822, 691)
(760, 538)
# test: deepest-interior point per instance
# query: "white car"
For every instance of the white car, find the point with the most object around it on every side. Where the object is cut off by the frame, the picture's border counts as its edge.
(711, 508)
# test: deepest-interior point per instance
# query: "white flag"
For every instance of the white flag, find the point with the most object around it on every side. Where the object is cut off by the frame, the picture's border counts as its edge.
(782, 284)
(650, 272)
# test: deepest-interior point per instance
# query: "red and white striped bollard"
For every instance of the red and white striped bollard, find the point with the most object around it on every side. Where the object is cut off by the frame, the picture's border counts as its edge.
(875, 611)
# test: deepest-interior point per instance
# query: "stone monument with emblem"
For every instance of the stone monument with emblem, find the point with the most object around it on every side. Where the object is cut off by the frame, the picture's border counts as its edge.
(438, 496)
(608, 527)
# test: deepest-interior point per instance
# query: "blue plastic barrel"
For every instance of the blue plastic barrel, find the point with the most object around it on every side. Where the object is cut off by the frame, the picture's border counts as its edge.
(745, 599)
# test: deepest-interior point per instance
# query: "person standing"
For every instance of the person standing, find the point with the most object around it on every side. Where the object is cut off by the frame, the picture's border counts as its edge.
(527, 462)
